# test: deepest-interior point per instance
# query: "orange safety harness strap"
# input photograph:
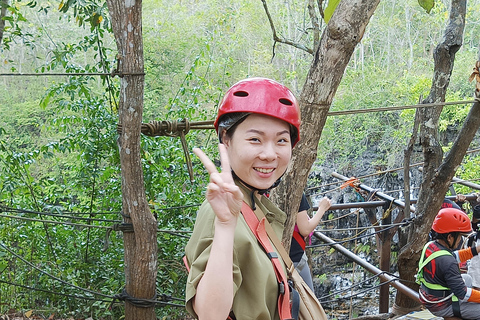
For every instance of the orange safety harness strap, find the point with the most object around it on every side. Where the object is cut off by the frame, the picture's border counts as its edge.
(300, 239)
(258, 229)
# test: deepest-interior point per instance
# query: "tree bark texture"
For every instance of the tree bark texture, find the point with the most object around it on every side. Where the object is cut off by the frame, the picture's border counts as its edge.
(343, 32)
(140, 245)
(3, 13)
(437, 175)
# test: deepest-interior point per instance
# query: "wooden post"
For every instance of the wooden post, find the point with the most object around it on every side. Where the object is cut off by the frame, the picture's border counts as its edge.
(384, 244)
(141, 244)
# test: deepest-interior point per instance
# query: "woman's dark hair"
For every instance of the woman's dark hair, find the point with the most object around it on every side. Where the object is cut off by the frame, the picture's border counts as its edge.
(229, 122)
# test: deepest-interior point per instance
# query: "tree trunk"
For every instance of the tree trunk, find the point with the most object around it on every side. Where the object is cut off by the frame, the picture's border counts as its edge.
(343, 32)
(140, 245)
(436, 175)
(3, 13)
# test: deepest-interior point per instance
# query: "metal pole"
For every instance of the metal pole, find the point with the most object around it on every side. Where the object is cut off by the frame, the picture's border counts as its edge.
(377, 193)
(466, 183)
(369, 267)
(373, 204)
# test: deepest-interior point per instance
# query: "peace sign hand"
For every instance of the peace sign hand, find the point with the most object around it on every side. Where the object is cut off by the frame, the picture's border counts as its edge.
(223, 195)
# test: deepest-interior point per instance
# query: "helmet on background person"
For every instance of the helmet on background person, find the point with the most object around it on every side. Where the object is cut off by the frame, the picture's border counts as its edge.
(449, 220)
(262, 96)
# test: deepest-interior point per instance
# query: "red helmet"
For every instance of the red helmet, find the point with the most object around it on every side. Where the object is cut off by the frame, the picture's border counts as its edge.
(263, 96)
(451, 220)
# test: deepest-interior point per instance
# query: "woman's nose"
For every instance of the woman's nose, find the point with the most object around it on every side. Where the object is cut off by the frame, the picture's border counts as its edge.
(268, 152)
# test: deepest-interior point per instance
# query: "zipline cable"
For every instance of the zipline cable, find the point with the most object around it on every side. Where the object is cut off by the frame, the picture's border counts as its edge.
(77, 287)
(50, 275)
(55, 222)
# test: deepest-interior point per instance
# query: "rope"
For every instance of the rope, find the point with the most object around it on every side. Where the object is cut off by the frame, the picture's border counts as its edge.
(111, 74)
(52, 292)
(340, 217)
(123, 227)
(375, 174)
(354, 285)
(405, 222)
(50, 275)
(55, 222)
(172, 129)
(164, 298)
(9, 209)
(141, 303)
(147, 303)
(59, 215)
(358, 293)
(166, 128)
(359, 228)
(393, 108)
(124, 296)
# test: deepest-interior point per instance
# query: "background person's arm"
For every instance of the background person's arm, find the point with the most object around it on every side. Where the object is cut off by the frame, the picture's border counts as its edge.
(307, 225)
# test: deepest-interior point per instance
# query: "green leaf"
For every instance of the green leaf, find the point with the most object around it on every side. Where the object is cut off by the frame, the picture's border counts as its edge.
(426, 4)
(328, 12)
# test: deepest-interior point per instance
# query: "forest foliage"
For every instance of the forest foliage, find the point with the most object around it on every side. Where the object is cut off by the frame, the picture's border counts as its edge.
(59, 159)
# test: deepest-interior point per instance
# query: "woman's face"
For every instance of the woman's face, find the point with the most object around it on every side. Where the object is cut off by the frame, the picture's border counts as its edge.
(259, 150)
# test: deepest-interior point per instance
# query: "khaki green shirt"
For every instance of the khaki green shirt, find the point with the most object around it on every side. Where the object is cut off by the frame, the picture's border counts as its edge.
(255, 284)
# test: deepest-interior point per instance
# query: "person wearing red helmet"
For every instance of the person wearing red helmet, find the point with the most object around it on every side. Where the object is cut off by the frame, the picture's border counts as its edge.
(230, 274)
(444, 291)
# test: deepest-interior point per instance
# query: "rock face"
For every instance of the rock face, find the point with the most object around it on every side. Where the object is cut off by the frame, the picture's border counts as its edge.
(337, 278)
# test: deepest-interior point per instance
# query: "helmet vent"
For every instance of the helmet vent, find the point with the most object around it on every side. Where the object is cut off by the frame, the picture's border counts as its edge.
(240, 93)
(286, 102)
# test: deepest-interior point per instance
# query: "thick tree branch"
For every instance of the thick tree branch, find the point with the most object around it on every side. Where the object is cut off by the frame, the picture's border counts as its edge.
(436, 176)
(3, 14)
(320, 8)
(406, 163)
(278, 39)
(315, 23)
(343, 32)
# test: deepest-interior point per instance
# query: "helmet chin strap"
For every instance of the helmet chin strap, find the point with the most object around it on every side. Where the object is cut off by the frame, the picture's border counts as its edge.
(260, 191)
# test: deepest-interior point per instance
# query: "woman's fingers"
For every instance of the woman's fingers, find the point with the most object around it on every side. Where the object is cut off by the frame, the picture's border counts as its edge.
(225, 162)
(207, 163)
(219, 182)
(235, 191)
(225, 176)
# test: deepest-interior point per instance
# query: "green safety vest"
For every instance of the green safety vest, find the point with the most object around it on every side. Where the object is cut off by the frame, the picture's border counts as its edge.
(423, 262)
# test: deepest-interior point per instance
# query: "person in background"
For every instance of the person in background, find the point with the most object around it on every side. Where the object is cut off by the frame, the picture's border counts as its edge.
(457, 204)
(474, 240)
(303, 230)
(230, 274)
(443, 290)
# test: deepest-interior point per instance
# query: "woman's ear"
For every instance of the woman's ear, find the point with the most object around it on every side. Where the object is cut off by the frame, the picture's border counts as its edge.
(225, 138)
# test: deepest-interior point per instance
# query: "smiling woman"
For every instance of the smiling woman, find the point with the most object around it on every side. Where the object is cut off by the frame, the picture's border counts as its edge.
(259, 156)
(230, 273)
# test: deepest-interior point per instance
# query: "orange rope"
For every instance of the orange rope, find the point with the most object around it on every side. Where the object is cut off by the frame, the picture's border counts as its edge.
(352, 182)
